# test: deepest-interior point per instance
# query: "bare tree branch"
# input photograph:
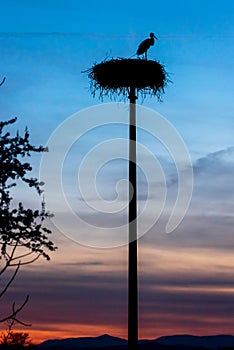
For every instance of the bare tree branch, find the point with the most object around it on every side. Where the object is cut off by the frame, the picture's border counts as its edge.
(3, 81)
(22, 256)
(27, 262)
(15, 312)
(10, 280)
(10, 257)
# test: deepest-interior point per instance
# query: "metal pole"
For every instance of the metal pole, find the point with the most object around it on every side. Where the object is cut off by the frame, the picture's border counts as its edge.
(132, 222)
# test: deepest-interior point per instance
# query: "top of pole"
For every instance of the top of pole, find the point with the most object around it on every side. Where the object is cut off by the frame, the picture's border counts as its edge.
(114, 78)
(132, 94)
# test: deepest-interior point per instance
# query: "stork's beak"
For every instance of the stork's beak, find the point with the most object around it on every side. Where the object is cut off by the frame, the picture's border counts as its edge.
(155, 37)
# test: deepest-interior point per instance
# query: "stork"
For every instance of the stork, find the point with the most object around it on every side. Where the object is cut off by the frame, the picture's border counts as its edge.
(145, 45)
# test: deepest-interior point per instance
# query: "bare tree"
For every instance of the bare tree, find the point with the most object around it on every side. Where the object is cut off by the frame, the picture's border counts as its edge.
(23, 234)
(13, 339)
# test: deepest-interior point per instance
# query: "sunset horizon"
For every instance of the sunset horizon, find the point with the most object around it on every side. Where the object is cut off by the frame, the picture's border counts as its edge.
(72, 75)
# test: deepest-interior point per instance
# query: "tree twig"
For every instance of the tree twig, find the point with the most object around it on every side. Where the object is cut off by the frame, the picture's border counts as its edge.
(15, 313)
(11, 280)
(27, 262)
(3, 81)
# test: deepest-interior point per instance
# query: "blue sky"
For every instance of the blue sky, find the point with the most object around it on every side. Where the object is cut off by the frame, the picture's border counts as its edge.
(195, 44)
(44, 47)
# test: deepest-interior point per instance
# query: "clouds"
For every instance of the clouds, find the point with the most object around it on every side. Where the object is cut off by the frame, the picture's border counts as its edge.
(179, 288)
(219, 163)
(214, 190)
(185, 278)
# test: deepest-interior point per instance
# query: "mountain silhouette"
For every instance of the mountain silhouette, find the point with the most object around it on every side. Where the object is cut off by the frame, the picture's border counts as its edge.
(102, 341)
(175, 342)
(211, 342)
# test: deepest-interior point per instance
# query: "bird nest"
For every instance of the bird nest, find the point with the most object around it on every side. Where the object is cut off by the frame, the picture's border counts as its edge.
(115, 77)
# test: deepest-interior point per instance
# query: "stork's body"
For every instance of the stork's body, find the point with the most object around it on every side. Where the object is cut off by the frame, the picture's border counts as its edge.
(145, 45)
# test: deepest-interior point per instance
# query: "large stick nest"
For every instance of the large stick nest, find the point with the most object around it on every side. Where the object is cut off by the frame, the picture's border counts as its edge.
(114, 77)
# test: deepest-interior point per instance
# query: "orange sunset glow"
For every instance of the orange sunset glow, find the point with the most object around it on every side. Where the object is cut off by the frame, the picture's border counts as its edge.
(176, 293)
(117, 172)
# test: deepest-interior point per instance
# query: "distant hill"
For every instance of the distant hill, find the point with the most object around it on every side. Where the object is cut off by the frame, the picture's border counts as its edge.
(175, 342)
(82, 343)
(210, 342)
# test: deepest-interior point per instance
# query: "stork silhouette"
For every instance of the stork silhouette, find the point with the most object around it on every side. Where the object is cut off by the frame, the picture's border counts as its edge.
(145, 45)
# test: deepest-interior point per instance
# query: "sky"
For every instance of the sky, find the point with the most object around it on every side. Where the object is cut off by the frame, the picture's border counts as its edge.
(186, 282)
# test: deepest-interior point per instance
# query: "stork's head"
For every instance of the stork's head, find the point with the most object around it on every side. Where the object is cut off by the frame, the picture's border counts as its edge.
(153, 36)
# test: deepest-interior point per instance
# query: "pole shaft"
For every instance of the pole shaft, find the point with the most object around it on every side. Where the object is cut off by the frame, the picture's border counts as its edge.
(132, 221)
